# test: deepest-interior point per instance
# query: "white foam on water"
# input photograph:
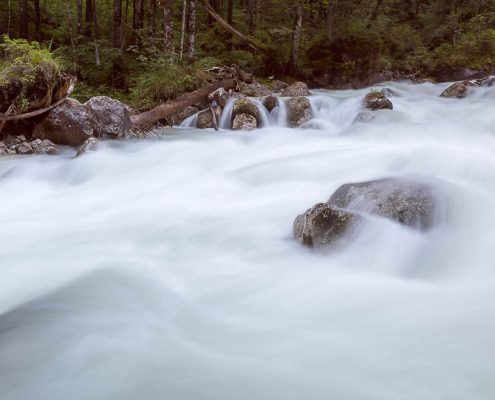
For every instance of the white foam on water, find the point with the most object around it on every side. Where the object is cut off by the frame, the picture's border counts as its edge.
(167, 269)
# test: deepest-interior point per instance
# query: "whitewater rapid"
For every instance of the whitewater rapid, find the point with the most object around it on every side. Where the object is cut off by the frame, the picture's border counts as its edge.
(166, 269)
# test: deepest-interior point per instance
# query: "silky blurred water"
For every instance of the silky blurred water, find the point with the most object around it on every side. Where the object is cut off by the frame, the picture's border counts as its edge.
(167, 270)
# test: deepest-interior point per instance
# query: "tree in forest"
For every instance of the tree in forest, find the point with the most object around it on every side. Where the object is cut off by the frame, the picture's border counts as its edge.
(23, 19)
(296, 38)
(191, 30)
(168, 31)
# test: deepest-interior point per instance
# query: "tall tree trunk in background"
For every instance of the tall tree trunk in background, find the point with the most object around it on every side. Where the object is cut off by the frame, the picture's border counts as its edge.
(151, 18)
(9, 20)
(117, 25)
(191, 31)
(296, 38)
(37, 20)
(331, 18)
(79, 17)
(89, 17)
(230, 20)
(168, 31)
(23, 19)
(137, 20)
(183, 29)
(70, 32)
(250, 15)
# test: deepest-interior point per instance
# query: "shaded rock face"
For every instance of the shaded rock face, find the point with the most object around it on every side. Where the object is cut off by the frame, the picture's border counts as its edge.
(270, 102)
(407, 202)
(323, 225)
(244, 122)
(71, 123)
(457, 90)
(254, 89)
(89, 145)
(245, 106)
(278, 86)
(205, 120)
(221, 97)
(187, 112)
(298, 111)
(377, 101)
(297, 89)
(112, 115)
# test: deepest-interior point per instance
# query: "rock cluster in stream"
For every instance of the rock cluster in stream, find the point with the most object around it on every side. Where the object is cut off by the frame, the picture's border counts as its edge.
(246, 113)
(408, 202)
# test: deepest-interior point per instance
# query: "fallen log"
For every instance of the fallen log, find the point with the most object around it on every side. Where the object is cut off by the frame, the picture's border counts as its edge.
(148, 118)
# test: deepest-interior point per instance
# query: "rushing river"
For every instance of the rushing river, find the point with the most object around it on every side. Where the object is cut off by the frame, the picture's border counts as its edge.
(167, 269)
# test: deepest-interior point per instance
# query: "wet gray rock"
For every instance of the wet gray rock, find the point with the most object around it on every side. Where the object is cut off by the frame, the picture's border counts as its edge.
(278, 86)
(244, 122)
(297, 89)
(221, 96)
(457, 90)
(377, 101)
(323, 225)
(24, 148)
(254, 89)
(205, 120)
(44, 147)
(90, 144)
(270, 102)
(407, 202)
(112, 115)
(245, 106)
(298, 111)
(71, 123)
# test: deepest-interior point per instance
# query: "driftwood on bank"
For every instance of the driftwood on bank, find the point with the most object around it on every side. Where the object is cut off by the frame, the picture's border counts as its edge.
(148, 118)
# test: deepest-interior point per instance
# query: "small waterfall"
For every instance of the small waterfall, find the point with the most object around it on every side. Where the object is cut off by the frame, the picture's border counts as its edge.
(264, 114)
(190, 122)
(226, 117)
(278, 116)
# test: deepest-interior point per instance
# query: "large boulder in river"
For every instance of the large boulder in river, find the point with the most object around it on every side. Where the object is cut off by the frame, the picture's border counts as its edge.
(244, 122)
(408, 202)
(270, 102)
(323, 225)
(297, 89)
(245, 106)
(298, 111)
(112, 115)
(377, 101)
(457, 90)
(71, 123)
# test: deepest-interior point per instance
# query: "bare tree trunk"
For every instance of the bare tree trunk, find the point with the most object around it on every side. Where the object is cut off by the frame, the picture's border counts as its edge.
(37, 20)
(23, 19)
(331, 18)
(183, 29)
(79, 17)
(70, 32)
(89, 17)
(230, 21)
(168, 31)
(250, 12)
(191, 31)
(117, 25)
(296, 38)
(163, 111)
(9, 20)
